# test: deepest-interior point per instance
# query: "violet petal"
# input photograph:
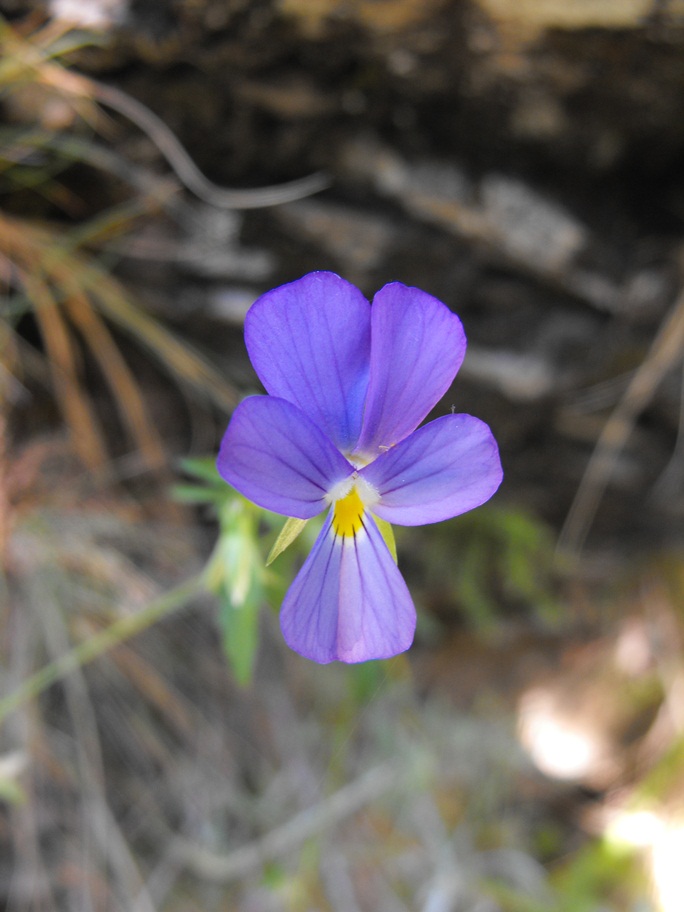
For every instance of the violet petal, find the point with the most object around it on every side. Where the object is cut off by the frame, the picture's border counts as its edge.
(417, 346)
(309, 342)
(443, 469)
(277, 457)
(349, 601)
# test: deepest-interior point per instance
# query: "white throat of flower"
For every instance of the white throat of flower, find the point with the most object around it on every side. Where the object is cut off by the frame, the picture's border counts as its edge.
(351, 497)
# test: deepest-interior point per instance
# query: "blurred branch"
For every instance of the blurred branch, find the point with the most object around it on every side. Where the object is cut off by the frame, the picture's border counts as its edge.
(220, 868)
(184, 167)
(666, 351)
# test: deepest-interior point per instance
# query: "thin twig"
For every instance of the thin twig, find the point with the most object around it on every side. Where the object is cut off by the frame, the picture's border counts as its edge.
(187, 171)
(311, 822)
(666, 350)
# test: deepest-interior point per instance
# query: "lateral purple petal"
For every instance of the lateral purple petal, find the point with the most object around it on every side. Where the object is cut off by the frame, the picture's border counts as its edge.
(309, 342)
(349, 602)
(277, 457)
(443, 469)
(417, 346)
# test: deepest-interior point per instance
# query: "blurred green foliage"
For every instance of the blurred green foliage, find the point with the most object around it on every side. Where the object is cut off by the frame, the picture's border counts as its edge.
(602, 875)
(491, 557)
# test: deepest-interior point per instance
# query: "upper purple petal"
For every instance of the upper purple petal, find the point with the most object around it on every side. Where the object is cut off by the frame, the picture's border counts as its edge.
(349, 601)
(443, 469)
(277, 457)
(309, 342)
(417, 346)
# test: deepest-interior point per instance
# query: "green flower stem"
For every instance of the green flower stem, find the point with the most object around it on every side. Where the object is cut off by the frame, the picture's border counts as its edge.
(118, 632)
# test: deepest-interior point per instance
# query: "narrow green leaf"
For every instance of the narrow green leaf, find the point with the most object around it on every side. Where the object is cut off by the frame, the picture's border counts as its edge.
(240, 628)
(291, 530)
(202, 467)
(193, 494)
(387, 533)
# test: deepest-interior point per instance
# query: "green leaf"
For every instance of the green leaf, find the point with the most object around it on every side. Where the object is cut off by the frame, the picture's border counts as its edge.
(202, 467)
(240, 628)
(193, 494)
(387, 533)
(291, 530)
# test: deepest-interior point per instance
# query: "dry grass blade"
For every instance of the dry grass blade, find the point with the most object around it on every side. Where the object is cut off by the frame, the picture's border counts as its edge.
(79, 415)
(180, 360)
(26, 247)
(62, 283)
(666, 351)
(92, 282)
(158, 690)
(8, 357)
(125, 390)
(31, 61)
(5, 509)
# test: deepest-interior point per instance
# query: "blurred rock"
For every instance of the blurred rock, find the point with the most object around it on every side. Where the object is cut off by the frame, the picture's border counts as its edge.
(356, 237)
(95, 15)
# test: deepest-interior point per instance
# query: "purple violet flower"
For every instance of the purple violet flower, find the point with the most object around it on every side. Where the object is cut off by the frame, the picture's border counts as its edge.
(349, 383)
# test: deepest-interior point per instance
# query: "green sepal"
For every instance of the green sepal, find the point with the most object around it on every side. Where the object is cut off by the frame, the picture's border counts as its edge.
(291, 530)
(387, 533)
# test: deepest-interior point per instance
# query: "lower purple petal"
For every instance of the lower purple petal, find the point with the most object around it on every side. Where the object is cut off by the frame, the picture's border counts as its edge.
(349, 601)
(443, 469)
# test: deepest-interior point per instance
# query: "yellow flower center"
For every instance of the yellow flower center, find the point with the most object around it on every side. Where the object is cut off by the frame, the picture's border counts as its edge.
(348, 514)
